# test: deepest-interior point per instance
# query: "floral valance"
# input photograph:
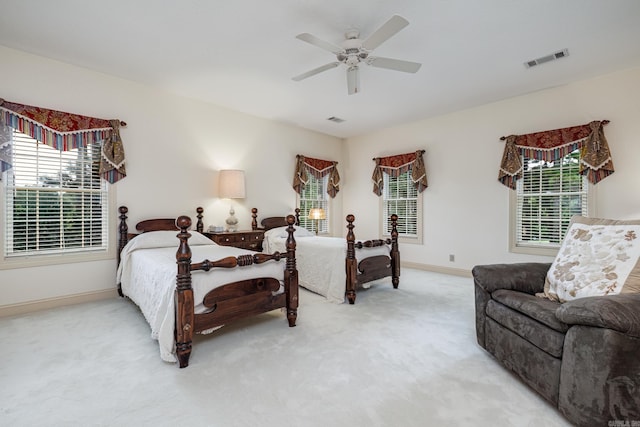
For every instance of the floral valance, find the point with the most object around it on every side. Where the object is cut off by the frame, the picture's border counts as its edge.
(319, 169)
(397, 165)
(62, 131)
(595, 157)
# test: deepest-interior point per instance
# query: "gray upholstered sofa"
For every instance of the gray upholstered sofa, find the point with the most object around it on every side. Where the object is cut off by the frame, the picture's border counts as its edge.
(583, 356)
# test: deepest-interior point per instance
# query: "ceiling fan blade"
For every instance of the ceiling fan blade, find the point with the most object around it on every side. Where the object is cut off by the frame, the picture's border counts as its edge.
(353, 80)
(394, 64)
(306, 37)
(316, 71)
(385, 32)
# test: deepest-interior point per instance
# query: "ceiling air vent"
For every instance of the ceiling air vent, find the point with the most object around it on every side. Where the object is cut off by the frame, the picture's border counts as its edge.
(335, 119)
(538, 61)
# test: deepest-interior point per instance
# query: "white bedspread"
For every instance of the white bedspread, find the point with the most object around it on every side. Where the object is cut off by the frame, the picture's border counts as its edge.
(147, 273)
(320, 261)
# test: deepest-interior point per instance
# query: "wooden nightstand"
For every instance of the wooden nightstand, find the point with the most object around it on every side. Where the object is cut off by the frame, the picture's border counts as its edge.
(248, 239)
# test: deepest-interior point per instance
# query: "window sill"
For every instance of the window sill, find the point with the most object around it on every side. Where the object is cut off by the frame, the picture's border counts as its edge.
(44, 260)
(534, 250)
(404, 239)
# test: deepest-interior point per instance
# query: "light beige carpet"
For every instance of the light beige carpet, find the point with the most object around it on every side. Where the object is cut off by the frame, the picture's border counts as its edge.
(405, 357)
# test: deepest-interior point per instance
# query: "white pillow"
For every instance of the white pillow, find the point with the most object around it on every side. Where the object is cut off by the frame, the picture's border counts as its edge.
(597, 257)
(165, 239)
(282, 232)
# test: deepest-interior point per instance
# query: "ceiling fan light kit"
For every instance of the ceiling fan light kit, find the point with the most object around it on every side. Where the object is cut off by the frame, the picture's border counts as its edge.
(355, 52)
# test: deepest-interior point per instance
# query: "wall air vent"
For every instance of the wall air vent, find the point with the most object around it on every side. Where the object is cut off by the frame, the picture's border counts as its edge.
(335, 119)
(538, 61)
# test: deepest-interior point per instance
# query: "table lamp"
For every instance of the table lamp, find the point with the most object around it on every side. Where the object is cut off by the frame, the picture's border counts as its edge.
(232, 187)
(317, 214)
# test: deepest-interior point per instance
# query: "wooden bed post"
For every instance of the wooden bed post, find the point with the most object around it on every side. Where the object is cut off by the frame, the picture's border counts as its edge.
(395, 252)
(351, 262)
(199, 224)
(123, 231)
(291, 274)
(254, 218)
(297, 210)
(185, 316)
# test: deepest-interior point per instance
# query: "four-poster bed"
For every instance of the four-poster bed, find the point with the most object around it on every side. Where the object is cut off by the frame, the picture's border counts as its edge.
(335, 267)
(180, 302)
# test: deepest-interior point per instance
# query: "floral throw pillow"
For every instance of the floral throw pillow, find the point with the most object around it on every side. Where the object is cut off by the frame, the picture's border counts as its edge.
(597, 257)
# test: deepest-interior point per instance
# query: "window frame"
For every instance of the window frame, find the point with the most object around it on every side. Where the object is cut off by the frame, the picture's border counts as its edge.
(550, 249)
(324, 224)
(403, 238)
(72, 256)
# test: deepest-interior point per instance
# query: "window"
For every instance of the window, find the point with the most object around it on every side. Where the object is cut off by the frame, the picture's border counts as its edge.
(546, 197)
(314, 195)
(55, 202)
(401, 197)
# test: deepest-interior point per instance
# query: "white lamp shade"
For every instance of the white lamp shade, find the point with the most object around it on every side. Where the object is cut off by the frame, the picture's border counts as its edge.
(317, 213)
(231, 183)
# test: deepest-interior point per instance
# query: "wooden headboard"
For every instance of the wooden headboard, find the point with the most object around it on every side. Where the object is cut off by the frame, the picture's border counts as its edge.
(278, 221)
(157, 224)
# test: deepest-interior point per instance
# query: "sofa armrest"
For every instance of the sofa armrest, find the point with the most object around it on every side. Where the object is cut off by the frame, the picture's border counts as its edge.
(618, 312)
(524, 277)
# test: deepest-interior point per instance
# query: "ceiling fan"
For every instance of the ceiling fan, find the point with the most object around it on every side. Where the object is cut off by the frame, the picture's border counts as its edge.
(355, 51)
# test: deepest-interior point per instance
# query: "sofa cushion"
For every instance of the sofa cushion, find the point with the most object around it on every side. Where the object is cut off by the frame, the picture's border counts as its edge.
(597, 257)
(536, 333)
(542, 310)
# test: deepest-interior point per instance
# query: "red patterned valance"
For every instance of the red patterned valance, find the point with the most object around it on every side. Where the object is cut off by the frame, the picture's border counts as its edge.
(552, 145)
(62, 131)
(321, 167)
(318, 168)
(396, 166)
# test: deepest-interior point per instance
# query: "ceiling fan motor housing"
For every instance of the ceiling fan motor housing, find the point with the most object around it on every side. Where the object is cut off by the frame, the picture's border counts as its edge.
(352, 57)
(353, 50)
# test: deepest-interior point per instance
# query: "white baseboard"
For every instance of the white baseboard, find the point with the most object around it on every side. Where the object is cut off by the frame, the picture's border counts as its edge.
(438, 269)
(43, 304)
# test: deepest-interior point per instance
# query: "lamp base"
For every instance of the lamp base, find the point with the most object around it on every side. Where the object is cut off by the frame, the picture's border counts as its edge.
(232, 221)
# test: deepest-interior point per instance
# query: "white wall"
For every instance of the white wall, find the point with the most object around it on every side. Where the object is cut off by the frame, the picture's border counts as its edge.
(466, 210)
(174, 148)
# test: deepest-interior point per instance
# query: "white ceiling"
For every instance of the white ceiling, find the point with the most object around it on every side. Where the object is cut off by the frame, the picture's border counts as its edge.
(241, 54)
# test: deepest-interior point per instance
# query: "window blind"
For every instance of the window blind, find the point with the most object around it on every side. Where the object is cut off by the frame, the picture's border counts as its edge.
(314, 195)
(55, 201)
(548, 195)
(400, 197)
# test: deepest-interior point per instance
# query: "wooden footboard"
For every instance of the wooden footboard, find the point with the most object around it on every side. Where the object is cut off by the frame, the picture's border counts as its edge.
(372, 268)
(237, 300)
(232, 301)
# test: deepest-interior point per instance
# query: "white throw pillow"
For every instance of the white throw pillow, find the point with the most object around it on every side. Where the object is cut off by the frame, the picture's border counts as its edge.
(597, 257)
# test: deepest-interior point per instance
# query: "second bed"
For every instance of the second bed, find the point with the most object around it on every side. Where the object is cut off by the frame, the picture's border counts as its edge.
(335, 267)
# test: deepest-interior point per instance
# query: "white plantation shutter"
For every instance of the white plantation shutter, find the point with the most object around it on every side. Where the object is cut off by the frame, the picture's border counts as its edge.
(400, 197)
(548, 195)
(314, 195)
(55, 201)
